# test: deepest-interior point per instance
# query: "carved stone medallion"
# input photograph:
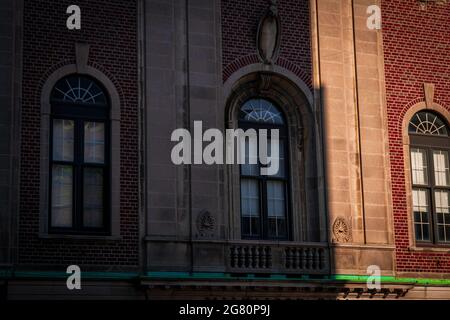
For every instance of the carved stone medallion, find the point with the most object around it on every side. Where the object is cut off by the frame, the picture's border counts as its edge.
(206, 224)
(341, 230)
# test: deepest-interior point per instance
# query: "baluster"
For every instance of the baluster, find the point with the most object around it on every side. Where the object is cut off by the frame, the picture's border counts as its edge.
(310, 259)
(240, 258)
(268, 258)
(297, 258)
(303, 258)
(262, 257)
(316, 259)
(293, 259)
(286, 256)
(255, 257)
(322, 259)
(233, 256)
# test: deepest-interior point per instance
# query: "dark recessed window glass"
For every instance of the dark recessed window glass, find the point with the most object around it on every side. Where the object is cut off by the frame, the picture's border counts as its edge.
(79, 157)
(264, 198)
(430, 176)
(428, 123)
(261, 111)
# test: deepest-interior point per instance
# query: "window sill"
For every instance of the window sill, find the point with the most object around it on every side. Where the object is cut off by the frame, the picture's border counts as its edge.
(430, 249)
(79, 237)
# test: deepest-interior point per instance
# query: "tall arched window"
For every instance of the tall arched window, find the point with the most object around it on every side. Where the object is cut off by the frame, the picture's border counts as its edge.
(79, 157)
(264, 198)
(429, 147)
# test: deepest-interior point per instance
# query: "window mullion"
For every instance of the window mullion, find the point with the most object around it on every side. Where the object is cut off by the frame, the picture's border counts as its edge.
(432, 187)
(264, 218)
(79, 173)
(436, 188)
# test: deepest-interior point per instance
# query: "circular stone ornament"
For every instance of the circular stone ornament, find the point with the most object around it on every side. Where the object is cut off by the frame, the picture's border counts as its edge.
(341, 230)
(206, 224)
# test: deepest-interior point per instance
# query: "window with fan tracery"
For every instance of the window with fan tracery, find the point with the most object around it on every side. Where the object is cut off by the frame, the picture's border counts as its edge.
(430, 175)
(264, 198)
(79, 157)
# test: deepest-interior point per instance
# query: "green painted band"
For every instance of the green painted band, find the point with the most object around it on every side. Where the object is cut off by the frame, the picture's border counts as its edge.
(281, 277)
(8, 274)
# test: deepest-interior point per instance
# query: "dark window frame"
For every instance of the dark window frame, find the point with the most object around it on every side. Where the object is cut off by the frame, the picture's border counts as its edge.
(262, 180)
(81, 113)
(429, 143)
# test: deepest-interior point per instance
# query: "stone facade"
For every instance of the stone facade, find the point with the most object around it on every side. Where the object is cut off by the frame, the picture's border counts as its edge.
(347, 93)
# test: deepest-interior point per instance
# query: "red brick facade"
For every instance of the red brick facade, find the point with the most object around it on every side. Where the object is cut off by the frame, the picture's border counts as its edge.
(416, 46)
(110, 28)
(239, 24)
(414, 42)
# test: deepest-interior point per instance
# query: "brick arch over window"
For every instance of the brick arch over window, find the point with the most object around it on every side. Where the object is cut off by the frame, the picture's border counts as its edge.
(405, 119)
(115, 107)
(252, 59)
(308, 222)
(241, 72)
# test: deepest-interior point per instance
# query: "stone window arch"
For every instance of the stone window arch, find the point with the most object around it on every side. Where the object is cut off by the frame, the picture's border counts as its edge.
(111, 97)
(79, 171)
(302, 200)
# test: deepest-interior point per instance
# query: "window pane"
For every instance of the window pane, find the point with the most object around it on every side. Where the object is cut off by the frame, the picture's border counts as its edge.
(94, 142)
(441, 170)
(261, 111)
(275, 199)
(93, 197)
(277, 228)
(250, 210)
(61, 215)
(276, 208)
(425, 122)
(251, 156)
(419, 166)
(78, 89)
(421, 210)
(442, 215)
(63, 140)
(281, 158)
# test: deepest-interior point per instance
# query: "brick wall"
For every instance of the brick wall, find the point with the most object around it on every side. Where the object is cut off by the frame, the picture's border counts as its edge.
(239, 26)
(110, 27)
(416, 46)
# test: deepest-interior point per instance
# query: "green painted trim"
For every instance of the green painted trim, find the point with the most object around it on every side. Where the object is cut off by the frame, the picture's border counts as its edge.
(280, 277)
(419, 281)
(127, 276)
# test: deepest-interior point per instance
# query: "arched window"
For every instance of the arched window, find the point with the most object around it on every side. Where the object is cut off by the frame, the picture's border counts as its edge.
(264, 198)
(79, 157)
(429, 147)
